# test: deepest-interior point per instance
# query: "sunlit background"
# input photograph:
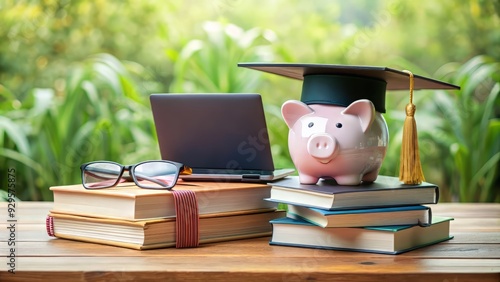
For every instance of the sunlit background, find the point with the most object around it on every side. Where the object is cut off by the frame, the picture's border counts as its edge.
(75, 77)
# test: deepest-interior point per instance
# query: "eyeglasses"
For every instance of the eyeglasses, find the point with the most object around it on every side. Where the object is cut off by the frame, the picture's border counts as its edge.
(148, 174)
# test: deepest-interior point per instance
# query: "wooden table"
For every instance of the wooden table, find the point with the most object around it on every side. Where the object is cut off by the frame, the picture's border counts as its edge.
(473, 255)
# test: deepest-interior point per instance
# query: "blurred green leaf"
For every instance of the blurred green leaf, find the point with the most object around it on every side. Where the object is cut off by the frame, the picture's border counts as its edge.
(14, 133)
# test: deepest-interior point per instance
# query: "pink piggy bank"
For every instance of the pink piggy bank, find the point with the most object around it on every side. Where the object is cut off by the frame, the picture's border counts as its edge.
(347, 144)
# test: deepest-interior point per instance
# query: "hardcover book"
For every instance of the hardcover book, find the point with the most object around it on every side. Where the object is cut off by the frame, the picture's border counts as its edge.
(385, 239)
(384, 192)
(160, 233)
(404, 215)
(127, 201)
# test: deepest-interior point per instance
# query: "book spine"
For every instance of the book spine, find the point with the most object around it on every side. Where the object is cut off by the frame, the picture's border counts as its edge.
(437, 195)
(429, 218)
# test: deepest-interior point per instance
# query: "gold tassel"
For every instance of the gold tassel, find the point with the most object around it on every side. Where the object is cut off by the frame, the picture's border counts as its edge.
(410, 169)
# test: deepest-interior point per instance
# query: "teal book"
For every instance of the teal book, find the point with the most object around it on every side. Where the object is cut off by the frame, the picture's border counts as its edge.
(386, 191)
(403, 215)
(384, 239)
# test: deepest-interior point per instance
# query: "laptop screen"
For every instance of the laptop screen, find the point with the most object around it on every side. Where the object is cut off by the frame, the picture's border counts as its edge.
(213, 131)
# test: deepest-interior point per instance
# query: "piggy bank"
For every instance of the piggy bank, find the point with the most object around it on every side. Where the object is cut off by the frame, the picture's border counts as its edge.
(347, 144)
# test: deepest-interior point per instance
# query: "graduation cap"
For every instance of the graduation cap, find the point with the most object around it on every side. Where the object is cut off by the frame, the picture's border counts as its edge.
(341, 85)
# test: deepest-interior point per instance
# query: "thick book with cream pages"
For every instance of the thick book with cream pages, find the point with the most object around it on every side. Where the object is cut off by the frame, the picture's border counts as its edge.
(160, 233)
(127, 201)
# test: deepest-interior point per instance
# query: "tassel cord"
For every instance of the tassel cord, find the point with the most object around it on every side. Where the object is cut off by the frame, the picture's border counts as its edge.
(410, 171)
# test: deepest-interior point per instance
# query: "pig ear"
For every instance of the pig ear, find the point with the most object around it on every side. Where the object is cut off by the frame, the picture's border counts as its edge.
(292, 110)
(364, 109)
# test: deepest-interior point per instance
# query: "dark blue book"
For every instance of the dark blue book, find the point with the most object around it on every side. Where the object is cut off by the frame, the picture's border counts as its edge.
(386, 191)
(403, 215)
(384, 239)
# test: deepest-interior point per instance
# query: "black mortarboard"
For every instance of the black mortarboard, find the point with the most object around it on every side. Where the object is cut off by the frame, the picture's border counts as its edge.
(343, 84)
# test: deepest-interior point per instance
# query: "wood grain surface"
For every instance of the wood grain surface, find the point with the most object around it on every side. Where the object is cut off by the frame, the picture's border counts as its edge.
(473, 255)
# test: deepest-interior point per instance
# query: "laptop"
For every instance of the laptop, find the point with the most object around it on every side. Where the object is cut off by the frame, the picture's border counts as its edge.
(222, 137)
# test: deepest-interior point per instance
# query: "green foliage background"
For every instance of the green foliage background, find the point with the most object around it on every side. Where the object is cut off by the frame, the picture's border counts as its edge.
(75, 77)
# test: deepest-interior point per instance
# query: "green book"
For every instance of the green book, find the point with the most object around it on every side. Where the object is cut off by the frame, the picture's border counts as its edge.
(384, 216)
(383, 239)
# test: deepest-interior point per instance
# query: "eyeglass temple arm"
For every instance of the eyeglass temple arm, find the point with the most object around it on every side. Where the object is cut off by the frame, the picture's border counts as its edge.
(186, 170)
(93, 171)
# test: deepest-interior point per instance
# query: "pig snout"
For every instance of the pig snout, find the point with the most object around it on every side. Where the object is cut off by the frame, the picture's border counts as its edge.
(322, 147)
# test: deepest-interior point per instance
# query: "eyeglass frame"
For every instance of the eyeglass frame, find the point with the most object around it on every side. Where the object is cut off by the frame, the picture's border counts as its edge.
(181, 169)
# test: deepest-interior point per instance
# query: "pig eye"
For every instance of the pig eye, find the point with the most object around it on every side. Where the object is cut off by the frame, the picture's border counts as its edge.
(338, 125)
(311, 124)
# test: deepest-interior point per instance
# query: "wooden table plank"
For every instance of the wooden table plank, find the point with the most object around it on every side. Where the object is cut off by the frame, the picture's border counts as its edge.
(475, 224)
(251, 247)
(171, 275)
(265, 269)
(474, 210)
(473, 255)
(264, 264)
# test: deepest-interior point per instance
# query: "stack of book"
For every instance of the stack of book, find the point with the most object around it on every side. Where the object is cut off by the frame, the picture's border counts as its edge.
(136, 218)
(381, 217)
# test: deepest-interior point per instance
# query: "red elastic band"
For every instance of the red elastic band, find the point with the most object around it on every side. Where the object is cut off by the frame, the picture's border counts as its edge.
(187, 219)
(49, 225)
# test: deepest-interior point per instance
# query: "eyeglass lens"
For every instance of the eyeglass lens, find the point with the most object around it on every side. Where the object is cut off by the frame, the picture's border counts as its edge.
(101, 175)
(155, 175)
(151, 175)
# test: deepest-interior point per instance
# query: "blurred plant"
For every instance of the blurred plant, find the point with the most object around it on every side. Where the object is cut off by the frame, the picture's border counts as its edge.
(209, 65)
(459, 131)
(95, 114)
(3, 196)
(40, 37)
(427, 33)
(37, 56)
(466, 130)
